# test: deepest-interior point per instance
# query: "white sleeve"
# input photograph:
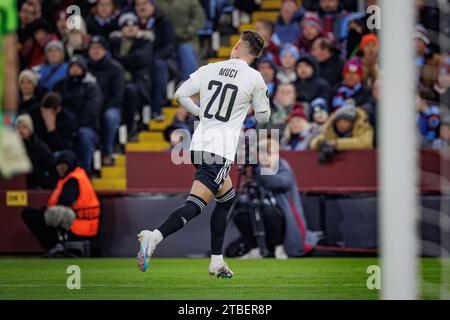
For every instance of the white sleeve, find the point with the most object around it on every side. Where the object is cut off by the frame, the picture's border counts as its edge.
(183, 96)
(260, 102)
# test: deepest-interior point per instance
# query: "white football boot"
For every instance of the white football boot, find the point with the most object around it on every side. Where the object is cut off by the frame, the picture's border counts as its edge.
(147, 245)
(220, 270)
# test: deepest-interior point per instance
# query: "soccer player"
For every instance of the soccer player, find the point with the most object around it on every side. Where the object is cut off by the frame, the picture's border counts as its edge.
(226, 89)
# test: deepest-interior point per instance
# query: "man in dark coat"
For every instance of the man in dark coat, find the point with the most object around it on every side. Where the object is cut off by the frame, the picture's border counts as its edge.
(134, 50)
(330, 63)
(164, 58)
(309, 84)
(53, 124)
(110, 77)
(39, 153)
(82, 97)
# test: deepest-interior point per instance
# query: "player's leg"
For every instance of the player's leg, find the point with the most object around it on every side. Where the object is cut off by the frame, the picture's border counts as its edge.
(196, 201)
(224, 201)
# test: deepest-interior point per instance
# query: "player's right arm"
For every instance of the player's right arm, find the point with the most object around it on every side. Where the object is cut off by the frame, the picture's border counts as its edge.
(190, 88)
(260, 102)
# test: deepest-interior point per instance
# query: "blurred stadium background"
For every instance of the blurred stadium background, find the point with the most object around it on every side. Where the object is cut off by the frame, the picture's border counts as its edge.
(123, 140)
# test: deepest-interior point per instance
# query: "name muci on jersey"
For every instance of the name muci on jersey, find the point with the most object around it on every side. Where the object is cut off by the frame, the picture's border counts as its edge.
(228, 72)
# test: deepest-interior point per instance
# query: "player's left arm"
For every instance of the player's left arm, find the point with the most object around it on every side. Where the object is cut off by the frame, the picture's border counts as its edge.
(260, 102)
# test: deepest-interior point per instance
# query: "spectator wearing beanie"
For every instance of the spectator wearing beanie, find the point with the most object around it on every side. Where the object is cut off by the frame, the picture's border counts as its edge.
(54, 68)
(110, 77)
(330, 63)
(27, 89)
(347, 129)
(268, 70)
(53, 124)
(283, 104)
(289, 55)
(38, 152)
(82, 96)
(318, 112)
(187, 17)
(352, 86)
(298, 133)
(133, 48)
(369, 60)
(311, 31)
(271, 49)
(287, 25)
(427, 63)
(164, 61)
(309, 85)
(104, 19)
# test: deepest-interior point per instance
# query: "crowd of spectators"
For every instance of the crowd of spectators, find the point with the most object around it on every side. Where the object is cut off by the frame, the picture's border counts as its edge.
(322, 71)
(83, 74)
(320, 64)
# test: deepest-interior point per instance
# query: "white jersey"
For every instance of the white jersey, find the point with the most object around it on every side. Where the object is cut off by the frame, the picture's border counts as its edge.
(227, 89)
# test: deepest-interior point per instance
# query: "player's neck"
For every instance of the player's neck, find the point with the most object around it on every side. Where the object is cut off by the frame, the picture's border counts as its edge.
(247, 60)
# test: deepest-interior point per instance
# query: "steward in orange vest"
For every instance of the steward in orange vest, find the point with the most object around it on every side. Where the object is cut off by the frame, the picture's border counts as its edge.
(75, 190)
(73, 206)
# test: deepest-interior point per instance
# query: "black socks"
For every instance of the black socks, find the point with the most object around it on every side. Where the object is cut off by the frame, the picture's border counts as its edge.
(182, 215)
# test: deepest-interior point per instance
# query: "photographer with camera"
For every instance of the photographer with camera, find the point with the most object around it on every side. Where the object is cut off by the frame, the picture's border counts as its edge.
(285, 226)
(347, 129)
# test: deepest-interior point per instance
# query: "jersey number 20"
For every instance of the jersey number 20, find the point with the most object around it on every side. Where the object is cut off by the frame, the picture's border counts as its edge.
(221, 90)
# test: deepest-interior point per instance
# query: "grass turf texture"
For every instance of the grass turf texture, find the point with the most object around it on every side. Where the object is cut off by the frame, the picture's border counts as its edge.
(309, 278)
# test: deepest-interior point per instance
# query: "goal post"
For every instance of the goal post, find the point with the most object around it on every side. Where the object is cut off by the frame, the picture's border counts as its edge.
(398, 148)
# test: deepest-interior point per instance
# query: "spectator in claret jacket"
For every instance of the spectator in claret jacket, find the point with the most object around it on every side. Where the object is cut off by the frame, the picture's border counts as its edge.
(134, 50)
(110, 77)
(164, 48)
(54, 68)
(52, 124)
(309, 84)
(187, 17)
(330, 63)
(27, 89)
(104, 19)
(311, 31)
(332, 17)
(352, 86)
(42, 35)
(287, 25)
(289, 55)
(271, 49)
(38, 152)
(268, 70)
(82, 96)
(28, 15)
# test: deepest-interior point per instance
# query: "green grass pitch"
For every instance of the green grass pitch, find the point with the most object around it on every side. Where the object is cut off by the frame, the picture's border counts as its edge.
(308, 278)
